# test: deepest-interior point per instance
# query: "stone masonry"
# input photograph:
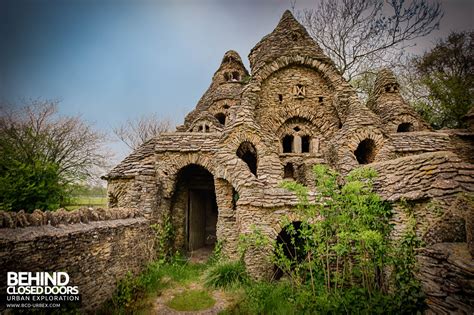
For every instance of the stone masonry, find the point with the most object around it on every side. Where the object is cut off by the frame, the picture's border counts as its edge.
(218, 174)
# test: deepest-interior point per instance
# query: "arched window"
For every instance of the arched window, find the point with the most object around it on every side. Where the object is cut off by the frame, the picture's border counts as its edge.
(248, 153)
(221, 118)
(365, 152)
(405, 127)
(287, 143)
(305, 143)
(289, 171)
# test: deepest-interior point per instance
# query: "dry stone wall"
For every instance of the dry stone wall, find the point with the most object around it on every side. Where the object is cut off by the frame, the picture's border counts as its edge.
(95, 254)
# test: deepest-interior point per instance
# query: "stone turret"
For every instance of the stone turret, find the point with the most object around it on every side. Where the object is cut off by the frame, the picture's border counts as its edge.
(212, 110)
(386, 101)
(288, 38)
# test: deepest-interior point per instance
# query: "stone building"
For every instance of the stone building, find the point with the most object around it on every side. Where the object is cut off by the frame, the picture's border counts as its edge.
(219, 173)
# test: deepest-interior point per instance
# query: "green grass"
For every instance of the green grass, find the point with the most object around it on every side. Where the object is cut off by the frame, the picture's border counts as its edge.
(136, 293)
(182, 272)
(86, 201)
(192, 300)
(226, 275)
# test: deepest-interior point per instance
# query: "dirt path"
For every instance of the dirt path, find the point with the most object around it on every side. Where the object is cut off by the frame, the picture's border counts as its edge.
(223, 300)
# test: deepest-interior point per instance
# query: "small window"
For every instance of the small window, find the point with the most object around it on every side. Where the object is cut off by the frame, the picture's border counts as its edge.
(228, 59)
(207, 128)
(321, 99)
(405, 127)
(280, 98)
(226, 106)
(391, 88)
(235, 198)
(235, 76)
(287, 143)
(289, 171)
(299, 90)
(296, 129)
(221, 118)
(305, 143)
(200, 128)
(248, 153)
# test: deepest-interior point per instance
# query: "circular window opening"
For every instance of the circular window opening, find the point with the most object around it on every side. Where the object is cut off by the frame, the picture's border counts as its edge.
(365, 152)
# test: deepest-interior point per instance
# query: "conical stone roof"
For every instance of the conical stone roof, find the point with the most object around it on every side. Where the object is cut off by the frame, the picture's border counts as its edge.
(227, 83)
(288, 38)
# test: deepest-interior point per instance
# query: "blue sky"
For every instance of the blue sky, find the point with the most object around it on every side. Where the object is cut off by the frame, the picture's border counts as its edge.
(110, 60)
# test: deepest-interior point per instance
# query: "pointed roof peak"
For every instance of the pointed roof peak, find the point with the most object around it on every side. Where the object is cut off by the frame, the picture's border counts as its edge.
(288, 37)
(288, 15)
(231, 56)
(289, 22)
(385, 77)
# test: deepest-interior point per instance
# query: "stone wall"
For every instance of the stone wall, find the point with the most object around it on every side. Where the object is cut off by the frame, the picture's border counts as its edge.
(447, 277)
(95, 255)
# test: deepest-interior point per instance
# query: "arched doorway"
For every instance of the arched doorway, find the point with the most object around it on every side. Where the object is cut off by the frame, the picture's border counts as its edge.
(289, 246)
(195, 208)
(365, 152)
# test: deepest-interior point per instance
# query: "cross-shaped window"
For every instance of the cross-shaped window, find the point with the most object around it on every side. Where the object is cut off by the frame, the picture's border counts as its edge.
(299, 90)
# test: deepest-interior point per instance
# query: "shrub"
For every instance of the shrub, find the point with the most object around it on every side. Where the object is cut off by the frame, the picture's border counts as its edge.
(30, 186)
(267, 298)
(226, 274)
(336, 256)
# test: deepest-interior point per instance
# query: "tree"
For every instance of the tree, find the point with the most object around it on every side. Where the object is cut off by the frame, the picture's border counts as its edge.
(446, 76)
(135, 132)
(360, 35)
(45, 152)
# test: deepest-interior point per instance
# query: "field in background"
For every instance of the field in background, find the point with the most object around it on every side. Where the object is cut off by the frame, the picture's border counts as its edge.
(86, 201)
(87, 196)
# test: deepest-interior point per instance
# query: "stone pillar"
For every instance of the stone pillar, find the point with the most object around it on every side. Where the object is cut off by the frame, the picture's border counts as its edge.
(297, 144)
(314, 145)
(227, 231)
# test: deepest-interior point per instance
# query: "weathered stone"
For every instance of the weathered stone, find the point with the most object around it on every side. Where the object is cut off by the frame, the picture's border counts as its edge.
(84, 251)
(249, 133)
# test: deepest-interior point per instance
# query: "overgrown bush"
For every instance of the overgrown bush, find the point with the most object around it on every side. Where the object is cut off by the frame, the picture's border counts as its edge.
(338, 256)
(226, 274)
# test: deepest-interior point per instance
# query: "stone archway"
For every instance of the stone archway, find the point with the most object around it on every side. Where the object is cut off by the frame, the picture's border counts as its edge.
(194, 208)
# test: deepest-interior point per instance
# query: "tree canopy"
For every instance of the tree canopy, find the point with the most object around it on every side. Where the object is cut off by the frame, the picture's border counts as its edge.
(362, 35)
(136, 131)
(41, 153)
(446, 74)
